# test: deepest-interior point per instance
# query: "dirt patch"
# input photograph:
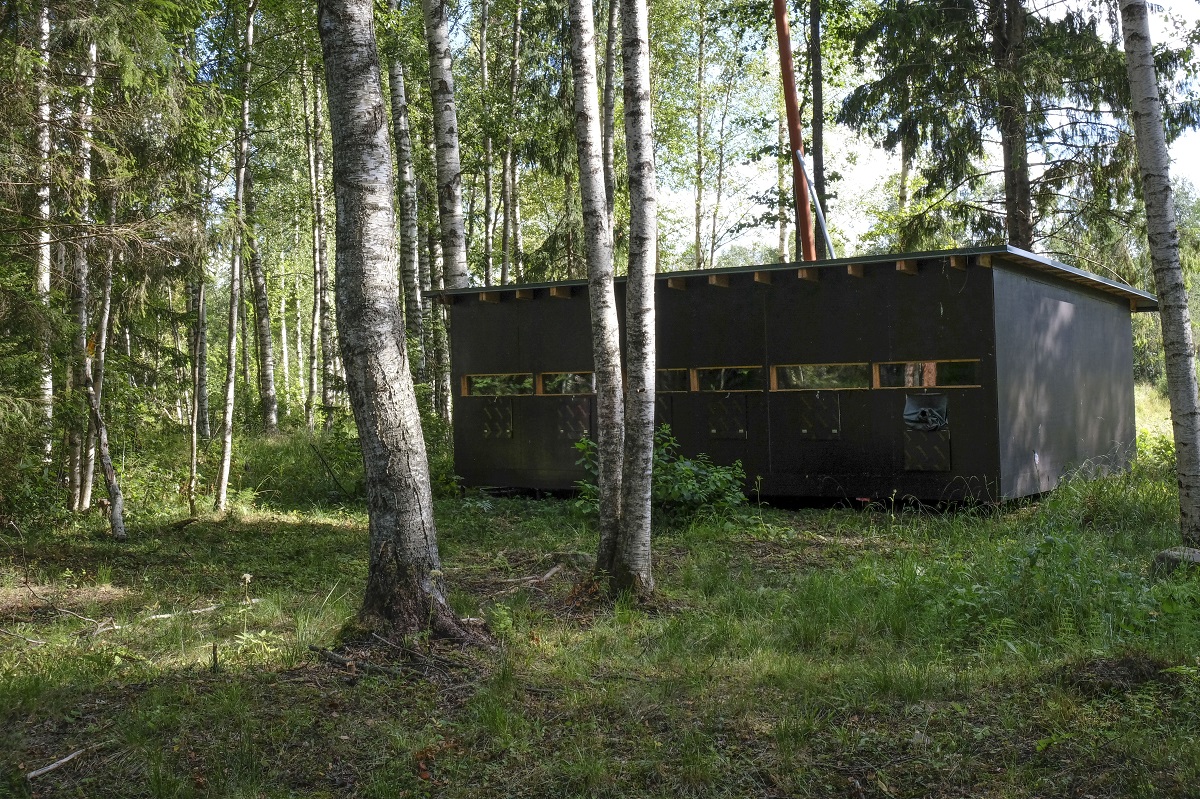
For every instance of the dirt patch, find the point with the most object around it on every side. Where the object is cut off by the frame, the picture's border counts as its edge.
(30, 603)
(1115, 676)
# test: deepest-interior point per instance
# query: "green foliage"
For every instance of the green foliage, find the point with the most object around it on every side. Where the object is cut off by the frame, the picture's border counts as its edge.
(439, 445)
(299, 469)
(681, 485)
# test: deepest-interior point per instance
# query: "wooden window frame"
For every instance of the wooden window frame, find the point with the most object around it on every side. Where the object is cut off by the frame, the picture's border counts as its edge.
(774, 376)
(928, 364)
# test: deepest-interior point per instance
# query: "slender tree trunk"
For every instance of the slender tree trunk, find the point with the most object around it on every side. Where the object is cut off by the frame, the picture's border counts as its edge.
(1163, 233)
(720, 177)
(440, 334)
(199, 389)
(316, 190)
(116, 507)
(99, 360)
(781, 188)
(518, 257)
(698, 258)
(301, 375)
(817, 69)
(1008, 52)
(606, 343)
(241, 164)
(631, 563)
(608, 127)
(425, 279)
(41, 278)
(81, 362)
(487, 144)
(508, 189)
(284, 344)
(445, 131)
(407, 197)
(268, 400)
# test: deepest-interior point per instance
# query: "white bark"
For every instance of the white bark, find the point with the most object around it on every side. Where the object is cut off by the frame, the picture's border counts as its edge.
(510, 245)
(606, 343)
(405, 588)
(316, 194)
(241, 161)
(1178, 346)
(407, 197)
(632, 564)
(41, 278)
(609, 132)
(263, 338)
(81, 361)
(445, 132)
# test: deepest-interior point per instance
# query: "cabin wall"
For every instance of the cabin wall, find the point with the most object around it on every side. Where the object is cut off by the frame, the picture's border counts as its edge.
(1064, 359)
(839, 442)
(847, 443)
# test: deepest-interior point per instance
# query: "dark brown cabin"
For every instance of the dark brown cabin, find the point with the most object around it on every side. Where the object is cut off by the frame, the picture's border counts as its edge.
(984, 373)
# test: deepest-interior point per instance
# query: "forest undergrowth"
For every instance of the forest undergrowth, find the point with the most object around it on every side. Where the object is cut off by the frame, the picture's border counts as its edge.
(885, 651)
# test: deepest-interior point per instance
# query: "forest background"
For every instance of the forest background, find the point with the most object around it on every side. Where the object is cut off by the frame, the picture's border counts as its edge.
(165, 241)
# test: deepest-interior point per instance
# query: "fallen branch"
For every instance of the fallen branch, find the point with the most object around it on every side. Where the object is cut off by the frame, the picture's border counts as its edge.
(553, 571)
(100, 628)
(59, 763)
(33, 641)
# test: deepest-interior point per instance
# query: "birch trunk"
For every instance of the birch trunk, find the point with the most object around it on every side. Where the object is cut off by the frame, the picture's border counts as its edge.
(199, 352)
(81, 362)
(406, 592)
(719, 189)
(632, 564)
(241, 159)
(817, 74)
(41, 278)
(98, 363)
(781, 187)
(407, 197)
(698, 259)
(1178, 346)
(116, 507)
(312, 141)
(606, 342)
(487, 145)
(609, 125)
(445, 131)
(264, 340)
(285, 345)
(508, 179)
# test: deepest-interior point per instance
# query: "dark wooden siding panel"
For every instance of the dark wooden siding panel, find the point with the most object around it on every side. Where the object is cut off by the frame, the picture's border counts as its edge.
(1065, 366)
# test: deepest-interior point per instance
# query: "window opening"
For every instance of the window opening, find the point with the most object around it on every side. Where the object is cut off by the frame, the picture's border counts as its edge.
(731, 378)
(822, 376)
(505, 385)
(671, 381)
(927, 374)
(568, 382)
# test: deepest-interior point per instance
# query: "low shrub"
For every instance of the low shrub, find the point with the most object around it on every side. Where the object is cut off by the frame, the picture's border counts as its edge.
(681, 485)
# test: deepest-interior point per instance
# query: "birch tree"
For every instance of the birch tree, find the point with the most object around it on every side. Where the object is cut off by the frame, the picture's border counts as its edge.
(606, 342)
(631, 565)
(445, 133)
(1178, 346)
(406, 591)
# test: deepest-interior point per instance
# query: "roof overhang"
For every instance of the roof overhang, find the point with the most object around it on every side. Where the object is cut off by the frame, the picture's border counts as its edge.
(980, 256)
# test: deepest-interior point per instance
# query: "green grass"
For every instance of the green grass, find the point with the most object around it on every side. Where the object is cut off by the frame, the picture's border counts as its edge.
(1015, 652)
